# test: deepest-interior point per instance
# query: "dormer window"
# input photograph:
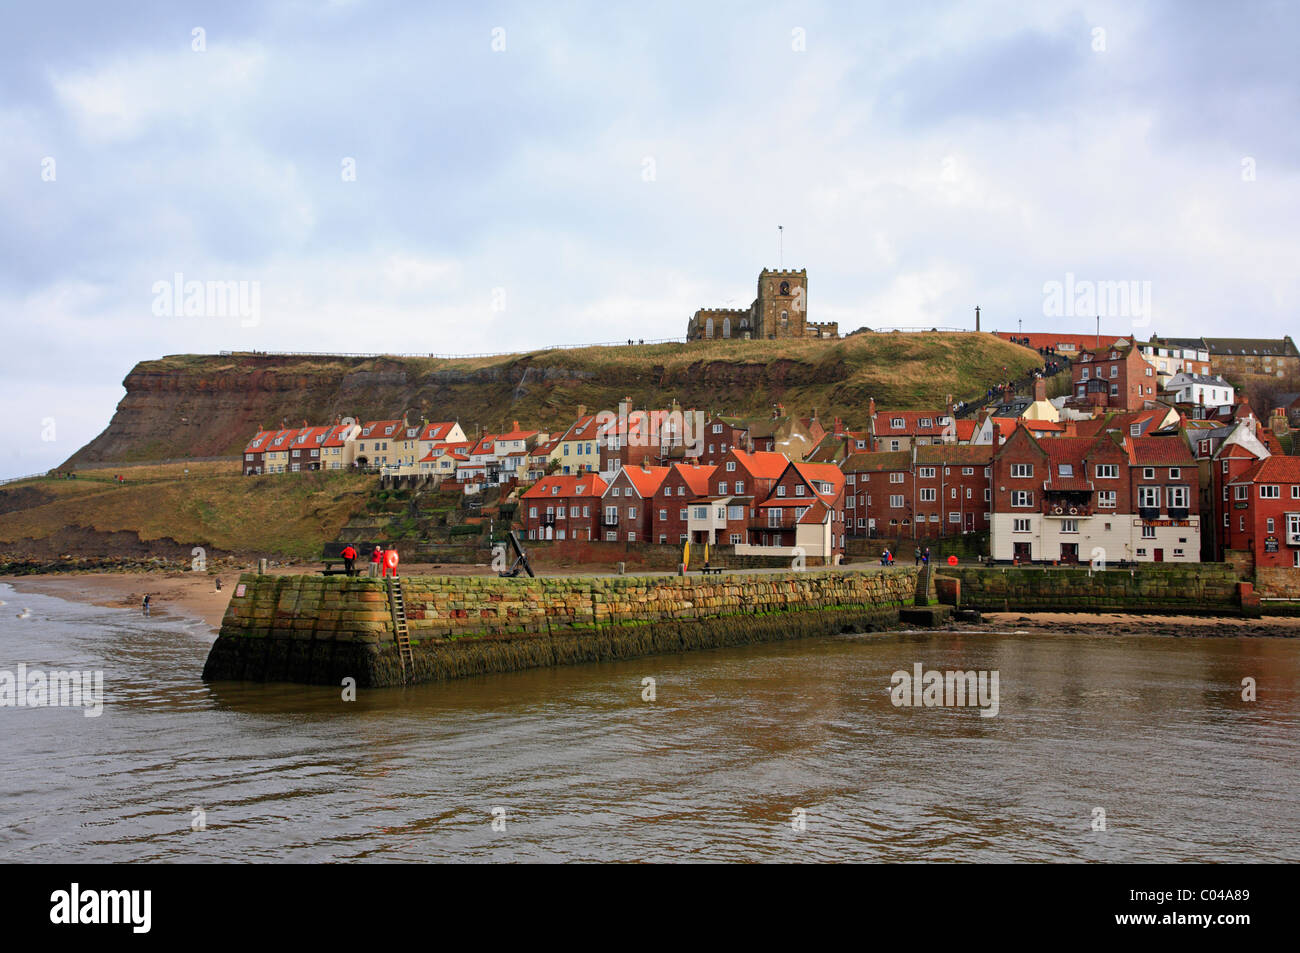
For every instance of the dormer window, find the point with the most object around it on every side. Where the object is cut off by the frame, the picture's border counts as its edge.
(1066, 469)
(897, 423)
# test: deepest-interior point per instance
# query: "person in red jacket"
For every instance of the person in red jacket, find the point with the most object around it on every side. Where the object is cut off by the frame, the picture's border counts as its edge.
(349, 559)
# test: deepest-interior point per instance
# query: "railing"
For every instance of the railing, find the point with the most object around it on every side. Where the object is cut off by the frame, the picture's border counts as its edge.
(1067, 511)
(630, 342)
(607, 520)
(30, 476)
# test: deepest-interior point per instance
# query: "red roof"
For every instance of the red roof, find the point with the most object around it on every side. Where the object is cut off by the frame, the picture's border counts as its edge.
(695, 477)
(515, 433)
(814, 473)
(1079, 342)
(379, 428)
(588, 484)
(911, 423)
(1275, 469)
(763, 464)
(1171, 451)
(437, 431)
(646, 480)
(260, 439)
(338, 435)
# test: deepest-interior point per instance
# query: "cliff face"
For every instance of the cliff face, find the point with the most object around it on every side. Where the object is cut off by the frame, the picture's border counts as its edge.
(209, 405)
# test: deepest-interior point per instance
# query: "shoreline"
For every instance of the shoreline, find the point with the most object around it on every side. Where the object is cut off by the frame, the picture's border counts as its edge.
(194, 596)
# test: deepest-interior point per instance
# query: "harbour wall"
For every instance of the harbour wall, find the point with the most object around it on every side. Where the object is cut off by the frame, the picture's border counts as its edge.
(322, 629)
(1170, 589)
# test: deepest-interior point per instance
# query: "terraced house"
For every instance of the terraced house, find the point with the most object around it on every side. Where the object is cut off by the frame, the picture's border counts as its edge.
(923, 493)
(802, 515)
(563, 507)
(627, 510)
(1111, 497)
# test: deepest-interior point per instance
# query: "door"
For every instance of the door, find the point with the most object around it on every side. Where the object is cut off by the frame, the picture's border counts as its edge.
(1159, 555)
(970, 522)
(1021, 552)
(1070, 553)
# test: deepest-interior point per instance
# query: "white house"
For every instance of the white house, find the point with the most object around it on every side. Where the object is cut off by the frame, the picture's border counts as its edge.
(1200, 389)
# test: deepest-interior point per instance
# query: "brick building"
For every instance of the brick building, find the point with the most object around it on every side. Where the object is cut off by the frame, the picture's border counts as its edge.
(627, 508)
(563, 507)
(923, 493)
(1264, 519)
(1112, 496)
(684, 483)
(1117, 378)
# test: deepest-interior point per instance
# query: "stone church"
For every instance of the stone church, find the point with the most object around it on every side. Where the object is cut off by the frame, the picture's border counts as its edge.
(779, 311)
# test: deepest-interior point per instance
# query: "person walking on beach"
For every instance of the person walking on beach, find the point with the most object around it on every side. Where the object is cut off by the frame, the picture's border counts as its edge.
(349, 559)
(145, 606)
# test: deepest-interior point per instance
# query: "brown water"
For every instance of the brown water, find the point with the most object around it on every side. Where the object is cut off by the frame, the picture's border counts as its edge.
(1151, 729)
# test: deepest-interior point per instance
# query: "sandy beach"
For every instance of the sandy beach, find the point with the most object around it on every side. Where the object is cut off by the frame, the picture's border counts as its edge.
(189, 594)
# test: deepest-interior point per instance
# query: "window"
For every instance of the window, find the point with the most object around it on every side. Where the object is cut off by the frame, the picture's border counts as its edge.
(1065, 469)
(735, 512)
(1149, 497)
(1022, 498)
(967, 471)
(780, 491)
(631, 513)
(1020, 526)
(614, 491)
(926, 473)
(1269, 525)
(663, 515)
(1240, 492)
(898, 423)
(1022, 471)
(682, 514)
(1269, 491)
(717, 428)
(798, 490)
(896, 502)
(701, 512)
(1106, 498)
(774, 518)
(954, 517)
(1107, 471)
(1177, 496)
(735, 539)
(740, 487)
(1148, 473)
(893, 445)
(1175, 473)
(1069, 526)
(896, 477)
(722, 488)
(1148, 532)
(927, 494)
(925, 423)
(731, 465)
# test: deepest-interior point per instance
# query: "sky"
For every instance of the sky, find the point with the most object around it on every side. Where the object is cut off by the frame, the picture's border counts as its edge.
(464, 178)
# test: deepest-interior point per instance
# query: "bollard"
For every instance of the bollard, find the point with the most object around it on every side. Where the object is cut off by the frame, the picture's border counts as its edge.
(261, 566)
(622, 568)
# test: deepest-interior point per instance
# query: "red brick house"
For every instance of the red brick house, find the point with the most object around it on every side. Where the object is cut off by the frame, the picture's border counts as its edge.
(804, 510)
(1115, 378)
(902, 429)
(684, 484)
(628, 504)
(1264, 519)
(1112, 497)
(924, 493)
(254, 453)
(563, 507)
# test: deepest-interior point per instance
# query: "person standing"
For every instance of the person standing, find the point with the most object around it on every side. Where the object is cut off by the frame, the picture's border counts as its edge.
(349, 560)
(917, 557)
(145, 605)
(925, 556)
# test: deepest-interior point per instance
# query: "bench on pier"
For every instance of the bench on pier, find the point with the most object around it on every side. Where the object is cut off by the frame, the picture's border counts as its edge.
(336, 565)
(711, 570)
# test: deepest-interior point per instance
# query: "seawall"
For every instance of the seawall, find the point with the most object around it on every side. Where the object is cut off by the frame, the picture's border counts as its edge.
(319, 630)
(1189, 589)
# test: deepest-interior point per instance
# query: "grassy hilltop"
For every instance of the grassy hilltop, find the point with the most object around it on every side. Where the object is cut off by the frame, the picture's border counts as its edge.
(208, 405)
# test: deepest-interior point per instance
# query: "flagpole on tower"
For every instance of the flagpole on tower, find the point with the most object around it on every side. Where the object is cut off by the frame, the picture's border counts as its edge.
(780, 247)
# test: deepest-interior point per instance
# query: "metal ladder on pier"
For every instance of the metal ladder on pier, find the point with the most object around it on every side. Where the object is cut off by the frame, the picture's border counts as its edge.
(397, 605)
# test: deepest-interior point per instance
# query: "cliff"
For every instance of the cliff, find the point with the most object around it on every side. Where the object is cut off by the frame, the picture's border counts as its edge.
(209, 405)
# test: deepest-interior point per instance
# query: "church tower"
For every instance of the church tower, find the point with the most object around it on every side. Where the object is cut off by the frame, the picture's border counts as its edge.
(781, 308)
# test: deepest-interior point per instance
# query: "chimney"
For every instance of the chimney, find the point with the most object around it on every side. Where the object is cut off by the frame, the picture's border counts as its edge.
(514, 426)
(871, 408)
(1040, 389)
(582, 410)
